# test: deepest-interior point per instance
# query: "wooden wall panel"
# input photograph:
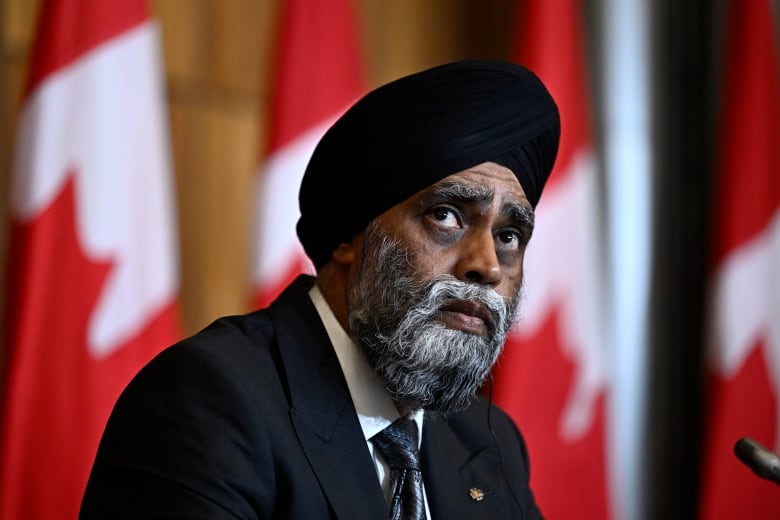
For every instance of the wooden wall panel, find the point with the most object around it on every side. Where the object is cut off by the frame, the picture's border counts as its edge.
(243, 33)
(407, 35)
(17, 18)
(215, 178)
(187, 42)
(215, 57)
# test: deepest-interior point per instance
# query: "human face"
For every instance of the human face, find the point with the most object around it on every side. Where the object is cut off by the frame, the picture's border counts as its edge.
(439, 285)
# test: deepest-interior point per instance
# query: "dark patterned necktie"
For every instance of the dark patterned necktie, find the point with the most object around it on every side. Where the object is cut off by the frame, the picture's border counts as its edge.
(398, 445)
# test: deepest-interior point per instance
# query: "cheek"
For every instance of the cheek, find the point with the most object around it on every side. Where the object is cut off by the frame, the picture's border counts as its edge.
(429, 260)
(509, 286)
(512, 280)
(521, 268)
(426, 257)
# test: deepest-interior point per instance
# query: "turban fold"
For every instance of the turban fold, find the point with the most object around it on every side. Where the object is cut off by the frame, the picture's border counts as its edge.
(412, 132)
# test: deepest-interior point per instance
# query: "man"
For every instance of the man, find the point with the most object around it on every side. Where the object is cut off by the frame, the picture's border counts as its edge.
(416, 209)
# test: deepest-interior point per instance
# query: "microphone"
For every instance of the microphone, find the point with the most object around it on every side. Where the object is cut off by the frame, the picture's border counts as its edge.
(763, 462)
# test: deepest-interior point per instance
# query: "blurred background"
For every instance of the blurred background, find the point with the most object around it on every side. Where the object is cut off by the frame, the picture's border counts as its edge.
(629, 400)
(218, 58)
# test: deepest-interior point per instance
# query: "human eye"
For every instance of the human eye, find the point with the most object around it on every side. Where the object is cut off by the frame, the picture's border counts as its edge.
(510, 240)
(446, 216)
(515, 234)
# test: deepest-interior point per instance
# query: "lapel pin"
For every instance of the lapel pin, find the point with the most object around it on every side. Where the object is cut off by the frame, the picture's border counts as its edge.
(476, 494)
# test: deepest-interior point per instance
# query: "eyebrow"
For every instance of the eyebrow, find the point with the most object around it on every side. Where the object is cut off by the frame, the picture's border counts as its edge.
(520, 213)
(474, 194)
(482, 196)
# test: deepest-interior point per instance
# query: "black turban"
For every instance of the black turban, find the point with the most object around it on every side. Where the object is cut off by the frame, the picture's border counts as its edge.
(412, 132)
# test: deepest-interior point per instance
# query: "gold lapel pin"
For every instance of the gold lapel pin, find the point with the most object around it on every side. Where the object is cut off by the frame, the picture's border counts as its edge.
(476, 494)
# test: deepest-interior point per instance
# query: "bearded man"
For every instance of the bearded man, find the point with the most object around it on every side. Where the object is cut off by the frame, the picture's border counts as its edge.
(356, 394)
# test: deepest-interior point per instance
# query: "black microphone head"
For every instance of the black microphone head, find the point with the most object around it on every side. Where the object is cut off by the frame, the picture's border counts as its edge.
(763, 462)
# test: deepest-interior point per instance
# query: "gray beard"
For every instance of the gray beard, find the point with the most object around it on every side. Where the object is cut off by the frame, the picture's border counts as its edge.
(422, 363)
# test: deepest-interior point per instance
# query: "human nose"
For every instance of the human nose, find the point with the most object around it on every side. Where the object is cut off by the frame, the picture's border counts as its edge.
(478, 261)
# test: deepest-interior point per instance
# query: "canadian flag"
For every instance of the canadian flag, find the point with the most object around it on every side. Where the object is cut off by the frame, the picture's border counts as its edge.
(744, 315)
(318, 75)
(552, 377)
(92, 270)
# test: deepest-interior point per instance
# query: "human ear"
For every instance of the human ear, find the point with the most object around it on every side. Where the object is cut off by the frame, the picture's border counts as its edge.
(345, 252)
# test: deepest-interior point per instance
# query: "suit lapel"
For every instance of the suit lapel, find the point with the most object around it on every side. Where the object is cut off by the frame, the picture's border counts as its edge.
(321, 409)
(462, 475)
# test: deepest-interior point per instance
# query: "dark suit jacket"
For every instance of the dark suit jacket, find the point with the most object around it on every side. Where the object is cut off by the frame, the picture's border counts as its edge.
(252, 418)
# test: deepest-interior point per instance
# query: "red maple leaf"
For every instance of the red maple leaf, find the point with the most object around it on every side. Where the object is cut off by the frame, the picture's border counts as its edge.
(57, 396)
(568, 478)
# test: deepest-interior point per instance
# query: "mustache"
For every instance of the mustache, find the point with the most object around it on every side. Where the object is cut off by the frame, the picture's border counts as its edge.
(446, 291)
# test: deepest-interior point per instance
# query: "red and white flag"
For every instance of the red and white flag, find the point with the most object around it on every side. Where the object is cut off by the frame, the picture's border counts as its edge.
(318, 74)
(552, 377)
(744, 305)
(92, 270)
